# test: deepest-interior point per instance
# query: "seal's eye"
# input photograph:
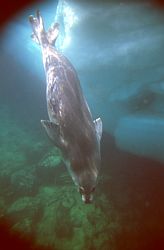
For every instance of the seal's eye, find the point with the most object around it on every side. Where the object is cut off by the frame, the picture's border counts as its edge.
(81, 190)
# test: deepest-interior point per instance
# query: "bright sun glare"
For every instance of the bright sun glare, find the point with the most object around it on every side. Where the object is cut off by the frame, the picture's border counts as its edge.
(69, 18)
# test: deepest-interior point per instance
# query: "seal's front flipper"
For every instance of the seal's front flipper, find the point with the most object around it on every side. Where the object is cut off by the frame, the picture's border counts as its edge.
(53, 132)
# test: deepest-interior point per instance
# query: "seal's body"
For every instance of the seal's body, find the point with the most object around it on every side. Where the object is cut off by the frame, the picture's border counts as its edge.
(70, 124)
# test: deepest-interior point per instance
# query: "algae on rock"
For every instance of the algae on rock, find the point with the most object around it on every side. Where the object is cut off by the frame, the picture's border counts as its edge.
(73, 225)
(50, 167)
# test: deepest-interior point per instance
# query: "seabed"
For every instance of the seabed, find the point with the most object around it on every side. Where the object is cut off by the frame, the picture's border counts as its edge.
(40, 201)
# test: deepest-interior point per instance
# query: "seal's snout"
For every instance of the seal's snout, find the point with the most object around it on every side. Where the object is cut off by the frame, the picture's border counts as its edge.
(87, 199)
(86, 194)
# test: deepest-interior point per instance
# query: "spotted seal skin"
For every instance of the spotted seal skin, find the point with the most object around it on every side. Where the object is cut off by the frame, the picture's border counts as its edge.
(70, 124)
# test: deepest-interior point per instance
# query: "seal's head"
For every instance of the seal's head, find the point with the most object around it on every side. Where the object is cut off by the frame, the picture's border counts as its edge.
(84, 172)
(86, 193)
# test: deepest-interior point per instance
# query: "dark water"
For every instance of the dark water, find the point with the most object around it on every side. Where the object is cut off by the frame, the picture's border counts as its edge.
(136, 188)
(40, 207)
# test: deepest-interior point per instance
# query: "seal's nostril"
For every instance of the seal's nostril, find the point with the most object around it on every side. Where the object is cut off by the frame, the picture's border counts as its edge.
(88, 201)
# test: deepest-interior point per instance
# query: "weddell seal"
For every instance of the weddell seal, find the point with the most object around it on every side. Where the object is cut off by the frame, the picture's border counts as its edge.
(70, 124)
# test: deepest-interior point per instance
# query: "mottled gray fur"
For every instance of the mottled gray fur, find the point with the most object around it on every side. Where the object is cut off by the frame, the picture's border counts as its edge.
(70, 124)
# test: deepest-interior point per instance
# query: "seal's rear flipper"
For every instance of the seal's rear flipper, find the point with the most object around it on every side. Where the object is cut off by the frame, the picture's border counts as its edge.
(53, 132)
(39, 35)
(52, 33)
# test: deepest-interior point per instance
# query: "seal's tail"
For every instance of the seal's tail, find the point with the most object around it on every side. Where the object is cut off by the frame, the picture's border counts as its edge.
(39, 35)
